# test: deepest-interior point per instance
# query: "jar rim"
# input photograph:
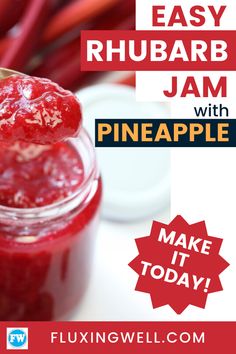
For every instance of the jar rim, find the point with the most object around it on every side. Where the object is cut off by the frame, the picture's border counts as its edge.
(67, 204)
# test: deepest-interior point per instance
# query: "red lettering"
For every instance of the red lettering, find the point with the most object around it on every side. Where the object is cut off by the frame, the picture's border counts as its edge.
(217, 16)
(215, 91)
(157, 15)
(195, 12)
(177, 17)
(190, 88)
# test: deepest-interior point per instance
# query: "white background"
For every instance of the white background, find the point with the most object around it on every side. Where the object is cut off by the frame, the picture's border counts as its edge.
(144, 13)
(203, 188)
(150, 85)
(111, 294)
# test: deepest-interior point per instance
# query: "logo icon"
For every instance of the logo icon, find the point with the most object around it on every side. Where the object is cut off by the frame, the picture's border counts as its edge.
(17, 338)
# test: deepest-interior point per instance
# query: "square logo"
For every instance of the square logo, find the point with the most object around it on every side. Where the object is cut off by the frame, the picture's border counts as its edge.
(17, 338)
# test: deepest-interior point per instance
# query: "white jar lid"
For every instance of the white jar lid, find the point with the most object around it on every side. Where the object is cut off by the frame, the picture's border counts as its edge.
(136, 181)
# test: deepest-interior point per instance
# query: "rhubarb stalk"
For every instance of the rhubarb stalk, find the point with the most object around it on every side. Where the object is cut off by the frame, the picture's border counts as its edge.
(10, 13)
(22, 46)
(63, 64)
(73, 15)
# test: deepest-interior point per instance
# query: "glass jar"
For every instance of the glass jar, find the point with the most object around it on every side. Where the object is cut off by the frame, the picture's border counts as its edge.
(46, 252)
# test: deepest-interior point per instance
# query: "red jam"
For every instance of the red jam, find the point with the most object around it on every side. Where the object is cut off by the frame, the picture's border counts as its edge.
(37, 110)
(49, 201)
(38, 175)
(44, 267)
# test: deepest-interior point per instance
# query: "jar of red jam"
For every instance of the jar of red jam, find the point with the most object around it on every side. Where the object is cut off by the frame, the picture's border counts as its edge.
(49, 210)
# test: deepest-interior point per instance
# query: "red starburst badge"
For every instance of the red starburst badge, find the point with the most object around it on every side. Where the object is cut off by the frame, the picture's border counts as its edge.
(179, 264)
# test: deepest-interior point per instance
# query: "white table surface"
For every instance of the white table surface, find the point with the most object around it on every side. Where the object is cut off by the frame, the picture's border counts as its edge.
(111, 295)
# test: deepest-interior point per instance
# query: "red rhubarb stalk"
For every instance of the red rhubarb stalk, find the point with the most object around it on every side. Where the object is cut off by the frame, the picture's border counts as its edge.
(10, 13)
(128, 80)
(73, 15)
(63, 64)
(21, 47)
(5, 42)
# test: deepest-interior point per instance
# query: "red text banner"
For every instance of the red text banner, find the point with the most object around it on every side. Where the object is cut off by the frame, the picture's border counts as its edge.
(158, 50)
(120, 337)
